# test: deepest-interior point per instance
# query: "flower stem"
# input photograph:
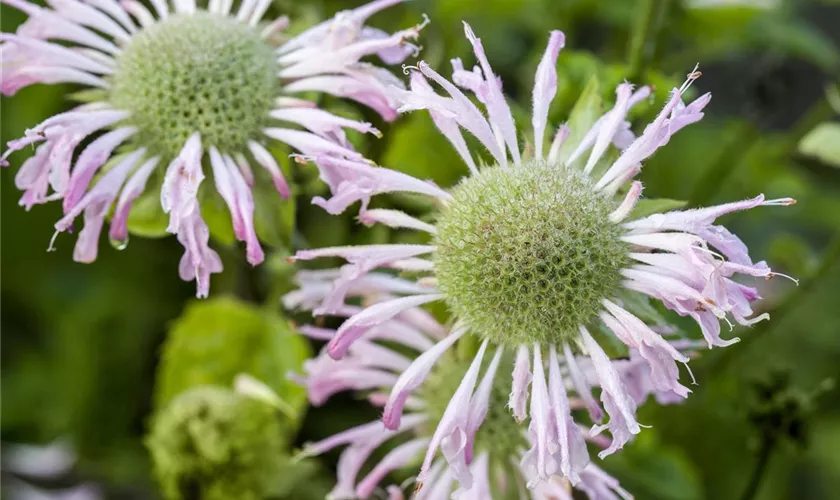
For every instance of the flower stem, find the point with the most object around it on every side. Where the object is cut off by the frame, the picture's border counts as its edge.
(768, 444)
(644, 36)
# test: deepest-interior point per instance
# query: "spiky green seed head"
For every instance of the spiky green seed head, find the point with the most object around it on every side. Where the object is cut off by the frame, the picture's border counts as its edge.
(526, 254)
(214, 444)
(199, 72)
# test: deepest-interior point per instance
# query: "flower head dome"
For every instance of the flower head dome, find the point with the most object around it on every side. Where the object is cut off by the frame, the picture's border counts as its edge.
(538, 257)
(180, 93)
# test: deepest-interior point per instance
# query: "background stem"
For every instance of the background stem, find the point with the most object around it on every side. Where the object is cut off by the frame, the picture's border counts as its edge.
(644, 37)
(764, 453)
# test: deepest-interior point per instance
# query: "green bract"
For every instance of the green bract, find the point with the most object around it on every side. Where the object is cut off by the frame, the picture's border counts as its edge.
(526, 254)
(214, 444)
(198, 72)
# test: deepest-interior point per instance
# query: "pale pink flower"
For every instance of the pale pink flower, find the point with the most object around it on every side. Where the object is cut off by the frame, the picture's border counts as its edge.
(99, 44)
(680, 258)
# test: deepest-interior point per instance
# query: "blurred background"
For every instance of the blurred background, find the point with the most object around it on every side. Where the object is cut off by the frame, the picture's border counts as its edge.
(90, 352)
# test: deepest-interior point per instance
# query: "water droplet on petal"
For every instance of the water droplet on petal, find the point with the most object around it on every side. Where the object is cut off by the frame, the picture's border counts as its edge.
(119, 244)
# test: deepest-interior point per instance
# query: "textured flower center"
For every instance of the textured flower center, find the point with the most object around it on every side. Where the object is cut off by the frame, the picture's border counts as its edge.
(499, 435)
(192, 73)
(527, 254)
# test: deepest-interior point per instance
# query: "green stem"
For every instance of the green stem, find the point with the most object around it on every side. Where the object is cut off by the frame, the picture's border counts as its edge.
(644, 35)
(764, 454)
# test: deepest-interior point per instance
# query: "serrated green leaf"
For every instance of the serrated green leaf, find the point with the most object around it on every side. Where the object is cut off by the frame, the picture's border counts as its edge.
(215, 340)
(823, 143)
(651, 206)
(585, 113)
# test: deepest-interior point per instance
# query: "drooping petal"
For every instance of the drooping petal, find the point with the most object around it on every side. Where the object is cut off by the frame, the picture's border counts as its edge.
(598, 485)
(480, 402)
(617, 401)
(237, 195)
(178, 196)
(372, 316)
(267, 161)
(199, 260)
(481, 488)
(573, 455)
(582, 387)
(396, 458)
(96, 204)
(90, 160)
(659, 353)
(134, 187)
(521, 380)
(413, 377)
(451, 433)
(535, 463)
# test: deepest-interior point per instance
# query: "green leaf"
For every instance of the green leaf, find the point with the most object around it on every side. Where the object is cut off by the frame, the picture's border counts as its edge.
(215, 340)
(641, 307)
(823, 143)
(796, 38)
(301, 480)
(417, 148)
(215, 213)
(146, 217)
(274, 217)
(653, 470)
(585, 113)
(651, 206)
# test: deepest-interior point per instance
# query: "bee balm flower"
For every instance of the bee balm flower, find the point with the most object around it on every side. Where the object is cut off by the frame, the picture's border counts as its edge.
(533, 255)
(181, 93)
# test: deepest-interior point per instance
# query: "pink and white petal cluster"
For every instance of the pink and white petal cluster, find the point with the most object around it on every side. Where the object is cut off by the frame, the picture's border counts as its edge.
(686, 261)
(327, 58)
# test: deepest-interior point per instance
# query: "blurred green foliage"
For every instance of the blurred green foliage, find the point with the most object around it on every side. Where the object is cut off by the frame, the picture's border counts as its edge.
(82, 343)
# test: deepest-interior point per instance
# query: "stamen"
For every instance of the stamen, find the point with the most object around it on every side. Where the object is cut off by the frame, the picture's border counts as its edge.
(691, 374)
(51, 248)
(694, 75)
(772, 274)
(780, 202)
